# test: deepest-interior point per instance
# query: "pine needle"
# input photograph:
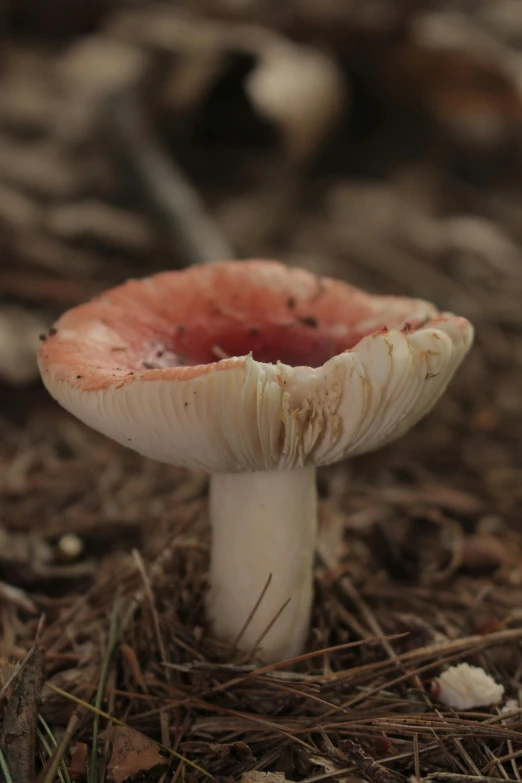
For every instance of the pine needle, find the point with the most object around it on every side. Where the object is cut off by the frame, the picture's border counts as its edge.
(102, 714)
(62, 771)
(48, 749)
(111, 645)
(4, 768)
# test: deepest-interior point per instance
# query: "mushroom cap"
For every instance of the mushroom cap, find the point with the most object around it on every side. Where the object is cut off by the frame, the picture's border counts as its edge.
(314, 369)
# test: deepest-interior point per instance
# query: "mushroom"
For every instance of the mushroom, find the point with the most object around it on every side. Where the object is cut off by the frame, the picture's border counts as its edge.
(256, 373)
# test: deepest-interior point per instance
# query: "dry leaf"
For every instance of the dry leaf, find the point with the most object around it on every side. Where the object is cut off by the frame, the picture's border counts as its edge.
(132, 752)
(77, 767)
(220, 750)
(482, 552)
(262, 777)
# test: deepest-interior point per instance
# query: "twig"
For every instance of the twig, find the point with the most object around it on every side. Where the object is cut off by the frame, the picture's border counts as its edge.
(5, 768)
(508, 757)
(351, 591)
(468, 645)
(45, 743)
(298, 659)
(512, 752)
(16, 672)
(172, 199)
(140, 565)
(416, 758)
(252, 613)
(493, 767)
(18, 737)
(453, 777)
(118, 722)
(465, 755)
(272, 622)
(49, 773)
(111, 644)
(365, 765)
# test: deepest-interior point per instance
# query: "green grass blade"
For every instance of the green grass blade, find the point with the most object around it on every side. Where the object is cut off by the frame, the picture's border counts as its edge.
(111, 646)
(63, 774)
(48, 749)
(5, 768)
(106, 715)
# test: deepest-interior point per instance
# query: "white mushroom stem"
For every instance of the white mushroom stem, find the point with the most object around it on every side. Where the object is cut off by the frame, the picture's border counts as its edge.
(263, 528)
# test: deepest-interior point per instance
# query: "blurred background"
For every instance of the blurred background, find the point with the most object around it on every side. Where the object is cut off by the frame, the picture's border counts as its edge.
(379, 142)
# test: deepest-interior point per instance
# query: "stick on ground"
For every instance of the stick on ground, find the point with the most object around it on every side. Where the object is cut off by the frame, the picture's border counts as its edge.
(18, 737)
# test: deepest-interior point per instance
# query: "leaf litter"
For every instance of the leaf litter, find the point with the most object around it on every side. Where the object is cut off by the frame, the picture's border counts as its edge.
(419, 562)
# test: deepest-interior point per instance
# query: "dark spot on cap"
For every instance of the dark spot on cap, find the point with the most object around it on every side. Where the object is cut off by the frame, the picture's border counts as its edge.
(52, 331)
(130, 373)
(159, 354)
(291, 302)
(254, 331)
(181, 328)
(78, 377)
(309, 320)
(42, 337)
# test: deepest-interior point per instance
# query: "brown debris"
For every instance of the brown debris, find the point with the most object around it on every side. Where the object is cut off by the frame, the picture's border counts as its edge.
(77, 767)
(416, 191)
(350, 752)
(483, 553)
(262, 777)
(131, 753)
(18, 736)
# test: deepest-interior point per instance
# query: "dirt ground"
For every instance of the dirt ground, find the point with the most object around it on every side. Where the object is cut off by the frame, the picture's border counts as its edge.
(131, 141)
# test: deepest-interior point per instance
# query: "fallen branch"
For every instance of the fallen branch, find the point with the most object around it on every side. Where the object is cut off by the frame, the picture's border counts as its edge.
(18, 737)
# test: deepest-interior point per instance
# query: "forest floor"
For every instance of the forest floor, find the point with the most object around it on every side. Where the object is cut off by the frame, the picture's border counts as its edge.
(413, 186)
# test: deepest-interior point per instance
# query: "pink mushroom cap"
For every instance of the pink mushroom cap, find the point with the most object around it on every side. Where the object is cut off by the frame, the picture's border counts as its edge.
(250, 365)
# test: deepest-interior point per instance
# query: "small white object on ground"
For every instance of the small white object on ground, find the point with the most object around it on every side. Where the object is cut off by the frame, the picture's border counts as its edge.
(70, 546)
(465, 687)
(511, 705)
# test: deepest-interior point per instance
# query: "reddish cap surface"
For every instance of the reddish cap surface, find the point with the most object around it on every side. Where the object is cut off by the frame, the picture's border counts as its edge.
(250, 365)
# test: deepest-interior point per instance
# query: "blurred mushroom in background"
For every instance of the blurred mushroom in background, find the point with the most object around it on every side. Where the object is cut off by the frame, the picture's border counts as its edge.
(19, 333)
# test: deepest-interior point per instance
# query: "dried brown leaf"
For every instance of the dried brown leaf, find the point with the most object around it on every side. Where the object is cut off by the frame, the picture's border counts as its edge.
(254, 776)
(77, 767)
(132, 752)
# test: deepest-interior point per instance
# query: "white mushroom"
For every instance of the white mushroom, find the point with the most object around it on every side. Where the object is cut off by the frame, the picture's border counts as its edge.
(317, 371)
